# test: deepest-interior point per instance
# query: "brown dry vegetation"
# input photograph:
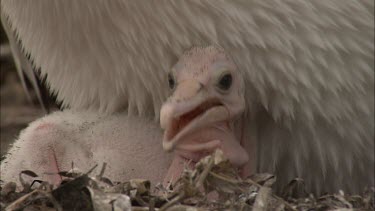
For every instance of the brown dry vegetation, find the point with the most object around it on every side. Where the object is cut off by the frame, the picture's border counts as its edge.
(212, 185)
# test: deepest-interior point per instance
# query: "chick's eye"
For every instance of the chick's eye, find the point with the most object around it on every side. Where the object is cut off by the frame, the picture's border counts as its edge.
(171, 81)
(225, 82)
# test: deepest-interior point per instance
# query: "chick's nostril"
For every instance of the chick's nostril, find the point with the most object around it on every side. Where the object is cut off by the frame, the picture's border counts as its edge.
(187, 90)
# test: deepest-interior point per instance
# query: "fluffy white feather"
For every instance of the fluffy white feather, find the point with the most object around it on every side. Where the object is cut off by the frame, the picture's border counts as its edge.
(126, 144)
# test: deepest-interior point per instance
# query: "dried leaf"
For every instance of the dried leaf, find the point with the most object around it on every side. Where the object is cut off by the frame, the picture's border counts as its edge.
(29, 173)
(261, 201)
(109, 201)
(26, 185)
(295, 189)
(263, 179)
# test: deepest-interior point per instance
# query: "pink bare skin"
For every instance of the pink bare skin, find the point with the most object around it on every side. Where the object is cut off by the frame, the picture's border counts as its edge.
(204, 112)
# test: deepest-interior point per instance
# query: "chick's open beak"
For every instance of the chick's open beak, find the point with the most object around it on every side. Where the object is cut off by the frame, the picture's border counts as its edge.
(190, 108)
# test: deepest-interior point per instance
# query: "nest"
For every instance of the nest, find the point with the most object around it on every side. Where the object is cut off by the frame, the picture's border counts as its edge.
(212, 185)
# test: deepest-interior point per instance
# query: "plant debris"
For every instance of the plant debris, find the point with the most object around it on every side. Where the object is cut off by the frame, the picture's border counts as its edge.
(212, 185)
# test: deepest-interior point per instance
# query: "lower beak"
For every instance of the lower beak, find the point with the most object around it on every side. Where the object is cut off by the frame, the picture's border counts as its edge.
(209, 117)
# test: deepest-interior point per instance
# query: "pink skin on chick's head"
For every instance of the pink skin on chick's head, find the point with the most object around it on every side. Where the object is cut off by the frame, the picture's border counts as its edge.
(200, 115)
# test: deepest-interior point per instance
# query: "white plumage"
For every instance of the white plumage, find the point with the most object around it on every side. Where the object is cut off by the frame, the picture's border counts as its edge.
(308, 68)
(86, 139)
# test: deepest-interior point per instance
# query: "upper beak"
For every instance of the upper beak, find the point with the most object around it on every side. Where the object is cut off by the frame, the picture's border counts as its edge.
(187, 95)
